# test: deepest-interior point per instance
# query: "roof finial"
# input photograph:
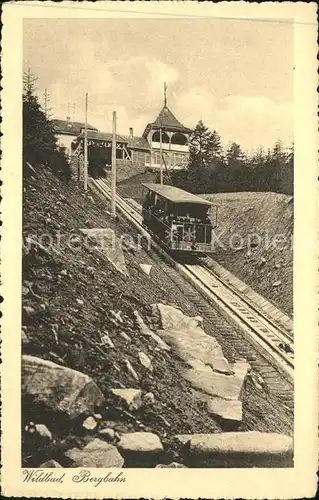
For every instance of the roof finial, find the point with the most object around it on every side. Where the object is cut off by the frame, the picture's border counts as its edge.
(165, 97)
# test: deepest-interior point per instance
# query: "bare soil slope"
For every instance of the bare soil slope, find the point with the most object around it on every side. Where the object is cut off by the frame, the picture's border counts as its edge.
(256, 242)
(69, 293)
(132, 187)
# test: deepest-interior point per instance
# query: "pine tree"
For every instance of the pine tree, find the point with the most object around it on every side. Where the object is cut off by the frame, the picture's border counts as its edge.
(205, 147)
(235, 156)
(206, 156)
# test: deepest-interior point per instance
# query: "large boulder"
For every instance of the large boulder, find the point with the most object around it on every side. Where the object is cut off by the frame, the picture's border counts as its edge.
(188, 339)
(141, 443)
(50, 464)
(228, 387)
(145, 330)
(241, 449)
(229, 413)
(131, 397)
(97, 453)
(57, 388)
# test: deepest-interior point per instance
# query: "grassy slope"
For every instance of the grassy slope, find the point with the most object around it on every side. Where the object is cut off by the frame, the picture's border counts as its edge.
(266, 214)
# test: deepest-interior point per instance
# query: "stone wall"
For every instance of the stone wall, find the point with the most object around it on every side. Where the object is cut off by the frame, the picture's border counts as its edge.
(126, 169)
(76, 166)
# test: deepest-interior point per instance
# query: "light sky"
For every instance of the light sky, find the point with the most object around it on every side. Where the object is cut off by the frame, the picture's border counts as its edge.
(235, 75)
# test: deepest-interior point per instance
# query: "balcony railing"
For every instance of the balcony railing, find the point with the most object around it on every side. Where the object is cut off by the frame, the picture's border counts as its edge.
(172, 147)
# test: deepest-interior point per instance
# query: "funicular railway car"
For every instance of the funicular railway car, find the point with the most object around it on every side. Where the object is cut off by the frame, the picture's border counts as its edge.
(181, 221)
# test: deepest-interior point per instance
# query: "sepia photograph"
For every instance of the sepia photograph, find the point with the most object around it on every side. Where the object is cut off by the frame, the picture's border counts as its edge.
(158, 245)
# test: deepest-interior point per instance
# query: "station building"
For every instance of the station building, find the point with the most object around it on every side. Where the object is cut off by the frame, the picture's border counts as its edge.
(134, 153)
(66, 132)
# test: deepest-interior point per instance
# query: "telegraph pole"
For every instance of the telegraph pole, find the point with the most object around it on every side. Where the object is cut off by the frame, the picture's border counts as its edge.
(151, 136)
(86, 144)
(113, 174)
(46, 97)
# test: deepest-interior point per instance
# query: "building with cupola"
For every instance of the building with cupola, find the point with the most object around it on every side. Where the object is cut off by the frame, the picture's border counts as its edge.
(134, 154)
(166, 133)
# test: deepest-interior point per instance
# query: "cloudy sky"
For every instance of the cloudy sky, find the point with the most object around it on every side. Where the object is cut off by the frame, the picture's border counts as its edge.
(235, 75)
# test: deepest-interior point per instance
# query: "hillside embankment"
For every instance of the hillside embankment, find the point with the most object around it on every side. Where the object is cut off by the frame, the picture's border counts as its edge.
(114, 372)
(254, 240)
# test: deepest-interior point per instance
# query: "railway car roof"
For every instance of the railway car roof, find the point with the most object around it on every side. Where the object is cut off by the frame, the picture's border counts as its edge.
(176, 195)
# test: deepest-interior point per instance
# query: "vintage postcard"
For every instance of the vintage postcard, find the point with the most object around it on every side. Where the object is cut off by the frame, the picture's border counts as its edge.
(159, 246)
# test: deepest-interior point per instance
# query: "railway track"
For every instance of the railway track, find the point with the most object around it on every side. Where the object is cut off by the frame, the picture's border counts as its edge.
(274, 345)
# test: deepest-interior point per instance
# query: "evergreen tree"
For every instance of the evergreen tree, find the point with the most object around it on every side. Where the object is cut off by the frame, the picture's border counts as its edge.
(206, 155)
(235, 156)
(205, 147)
(39, 141)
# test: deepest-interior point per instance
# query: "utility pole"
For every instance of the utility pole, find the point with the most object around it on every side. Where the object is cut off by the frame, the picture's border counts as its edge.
(161, 158)
(113, 174)
(46, 97)
(73, 107)
(151, 151)
(86, 144)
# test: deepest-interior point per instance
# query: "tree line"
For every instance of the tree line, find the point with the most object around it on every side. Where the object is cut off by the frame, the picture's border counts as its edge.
(39, 144)
(211, 169)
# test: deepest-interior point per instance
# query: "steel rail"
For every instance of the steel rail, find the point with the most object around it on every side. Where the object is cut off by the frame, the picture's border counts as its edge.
(264, 334)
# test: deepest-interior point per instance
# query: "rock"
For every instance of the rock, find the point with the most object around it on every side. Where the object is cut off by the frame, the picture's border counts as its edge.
(257, 380)
(197, 364)
(164, 420)
(58, 388)
(190, 342)
(130, 369)
(97, 416)
(221, 365)
(131, 397)
(107, 434)
(230, 413)
(28, 311)
(57, 358)
(43, 431)
(25, 290)
(89, 424)
(242, 449)
(145, 361)
(97, 453)
(215, 384)
(149, 398)
(24, 339)
(106, 341)
(146, 268)
(117, 316)
(145, 330)
(50, 464)
(172, 465)
(241, 370)
(262, 261)
(140, 442)
(64, 272)
(80, 302)
(125, 336)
